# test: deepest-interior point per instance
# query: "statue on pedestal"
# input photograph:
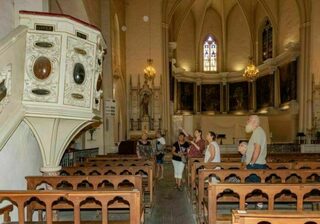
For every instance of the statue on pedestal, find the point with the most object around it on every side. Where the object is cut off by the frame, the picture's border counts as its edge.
(145, 105)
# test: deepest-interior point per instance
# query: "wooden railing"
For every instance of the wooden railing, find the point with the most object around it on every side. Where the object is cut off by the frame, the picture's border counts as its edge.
(76, 200)
(73, 156)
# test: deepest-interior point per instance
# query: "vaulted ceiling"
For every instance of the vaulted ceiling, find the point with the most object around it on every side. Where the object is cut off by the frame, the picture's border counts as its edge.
(176, 11)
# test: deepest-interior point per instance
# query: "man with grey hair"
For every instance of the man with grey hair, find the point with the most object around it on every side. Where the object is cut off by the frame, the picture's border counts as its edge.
(256, 151)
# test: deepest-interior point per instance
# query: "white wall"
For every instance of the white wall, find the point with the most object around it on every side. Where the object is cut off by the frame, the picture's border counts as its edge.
(9, 12)
(6, 17)
(22, 149)
(20, 157)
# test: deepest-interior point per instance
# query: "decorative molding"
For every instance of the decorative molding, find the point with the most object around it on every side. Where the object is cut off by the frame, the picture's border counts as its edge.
(53, 54)
(72, 57)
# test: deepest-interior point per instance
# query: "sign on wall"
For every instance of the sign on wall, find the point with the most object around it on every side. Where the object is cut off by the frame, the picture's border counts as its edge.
(110, 107)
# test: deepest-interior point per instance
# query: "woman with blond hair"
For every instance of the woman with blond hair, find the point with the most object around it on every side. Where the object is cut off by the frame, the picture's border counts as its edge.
(144, 149)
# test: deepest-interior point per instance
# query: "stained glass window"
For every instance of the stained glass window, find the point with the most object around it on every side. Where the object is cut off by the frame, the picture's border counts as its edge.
(267, 41)
(210, 54)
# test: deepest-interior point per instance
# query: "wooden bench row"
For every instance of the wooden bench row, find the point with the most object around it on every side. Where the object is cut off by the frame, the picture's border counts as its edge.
(77, 201)
(266, 176)
(192, 176)
(299, 194)
(146, 172)
(275, 217)
(272, 158)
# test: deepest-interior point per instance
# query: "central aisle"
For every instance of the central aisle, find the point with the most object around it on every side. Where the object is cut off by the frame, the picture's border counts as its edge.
(171, 206)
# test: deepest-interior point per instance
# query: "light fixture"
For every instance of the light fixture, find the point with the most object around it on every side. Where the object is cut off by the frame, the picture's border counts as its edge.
(251, 72)
(149, 70)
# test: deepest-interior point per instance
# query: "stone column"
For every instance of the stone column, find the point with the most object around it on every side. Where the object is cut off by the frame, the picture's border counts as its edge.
(166, 83)
(305, 80)
(108, 121)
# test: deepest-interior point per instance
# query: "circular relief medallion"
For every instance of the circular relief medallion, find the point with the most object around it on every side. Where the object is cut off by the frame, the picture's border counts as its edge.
(42, 67)
(99, 83)
(79, 73)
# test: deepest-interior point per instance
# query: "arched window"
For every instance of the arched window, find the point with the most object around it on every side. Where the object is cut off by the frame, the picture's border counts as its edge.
(267, 41)
(210, 54)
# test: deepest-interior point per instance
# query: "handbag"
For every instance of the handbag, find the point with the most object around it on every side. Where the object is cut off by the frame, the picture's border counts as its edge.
(183, 157)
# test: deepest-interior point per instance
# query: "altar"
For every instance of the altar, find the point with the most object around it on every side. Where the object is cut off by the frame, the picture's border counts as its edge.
(232, 126)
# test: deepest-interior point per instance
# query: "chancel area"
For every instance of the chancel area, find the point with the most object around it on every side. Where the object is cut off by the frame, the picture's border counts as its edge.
(160, 111)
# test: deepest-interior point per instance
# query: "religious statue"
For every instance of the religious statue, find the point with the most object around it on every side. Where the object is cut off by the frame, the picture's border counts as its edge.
(145, 105)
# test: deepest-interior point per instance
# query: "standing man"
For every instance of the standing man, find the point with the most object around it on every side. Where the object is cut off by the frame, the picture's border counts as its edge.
(256, 152)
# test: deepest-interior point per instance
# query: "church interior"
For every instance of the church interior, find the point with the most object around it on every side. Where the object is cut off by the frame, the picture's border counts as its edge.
(86, 84)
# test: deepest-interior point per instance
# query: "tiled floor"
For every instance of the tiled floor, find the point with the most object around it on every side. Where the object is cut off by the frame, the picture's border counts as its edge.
(171, 206)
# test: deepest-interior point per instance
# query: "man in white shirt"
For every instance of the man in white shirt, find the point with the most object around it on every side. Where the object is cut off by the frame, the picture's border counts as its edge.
(256, 152)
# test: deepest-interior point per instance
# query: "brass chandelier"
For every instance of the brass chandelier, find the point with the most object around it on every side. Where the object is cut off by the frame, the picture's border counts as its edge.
(149, 70)
(251, 72)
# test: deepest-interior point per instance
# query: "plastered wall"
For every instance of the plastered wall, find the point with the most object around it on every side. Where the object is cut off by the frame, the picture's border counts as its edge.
(186, 55)
(138, 36)
(289, 24)
(238, 41)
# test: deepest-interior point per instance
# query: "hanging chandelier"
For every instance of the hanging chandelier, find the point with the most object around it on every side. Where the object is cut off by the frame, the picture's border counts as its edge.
(149, 71)
(251, 72)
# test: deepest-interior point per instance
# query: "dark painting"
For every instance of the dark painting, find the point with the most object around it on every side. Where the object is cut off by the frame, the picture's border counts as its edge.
(238, 96)
(288, 82)
(265, 91)
(210, 97)
(185, 96)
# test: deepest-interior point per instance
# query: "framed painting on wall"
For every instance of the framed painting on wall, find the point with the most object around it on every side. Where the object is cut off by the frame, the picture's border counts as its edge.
(238, 96)
(210, 97)
(265, 91)
(288, 82)
(186, 96)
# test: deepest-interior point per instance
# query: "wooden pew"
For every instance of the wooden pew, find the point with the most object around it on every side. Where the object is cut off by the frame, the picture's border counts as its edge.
(77, 200)
(110, 182)
(276, 217)
(5, 211)
(303, 158)
(266, 176)
(116, 156)
(147, 181)
(102, 183)
(119, 163)
(237, 165)
(267, 193)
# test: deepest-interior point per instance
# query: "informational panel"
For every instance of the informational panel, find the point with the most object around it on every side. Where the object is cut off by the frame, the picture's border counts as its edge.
(239, 96)
(110, 107)
(288, 82)
(210, 97)
(265, 91)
